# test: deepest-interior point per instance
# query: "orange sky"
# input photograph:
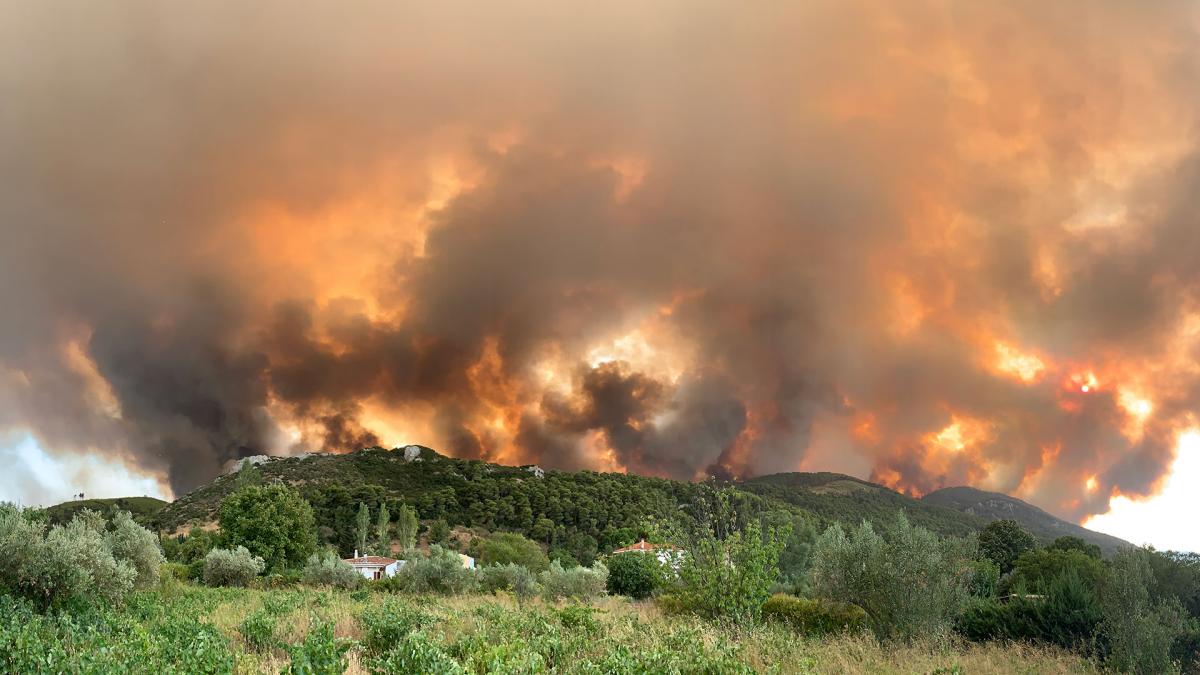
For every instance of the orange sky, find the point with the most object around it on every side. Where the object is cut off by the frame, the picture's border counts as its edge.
(931, 244)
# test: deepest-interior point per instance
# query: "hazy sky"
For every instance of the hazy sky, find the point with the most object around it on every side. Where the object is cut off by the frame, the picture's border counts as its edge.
(926, 243)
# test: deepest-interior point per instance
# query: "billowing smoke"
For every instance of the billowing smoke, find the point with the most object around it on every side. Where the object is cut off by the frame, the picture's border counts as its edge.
(927, 243)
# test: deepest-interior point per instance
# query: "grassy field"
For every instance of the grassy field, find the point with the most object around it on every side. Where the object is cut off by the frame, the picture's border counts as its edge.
(185, 628)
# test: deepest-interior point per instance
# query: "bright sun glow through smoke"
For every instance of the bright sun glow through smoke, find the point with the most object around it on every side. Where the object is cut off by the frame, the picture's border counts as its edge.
(1155, 521)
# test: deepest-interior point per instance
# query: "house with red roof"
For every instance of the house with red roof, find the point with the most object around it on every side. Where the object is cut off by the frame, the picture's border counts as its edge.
(666, 554)
(374, 566)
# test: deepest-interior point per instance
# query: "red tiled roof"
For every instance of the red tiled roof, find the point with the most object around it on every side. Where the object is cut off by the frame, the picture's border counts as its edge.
(371, 560)
(643, 545)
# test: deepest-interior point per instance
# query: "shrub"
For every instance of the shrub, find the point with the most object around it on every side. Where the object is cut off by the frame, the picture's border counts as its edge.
(1067, 615)
(237, 567)
(730, 576)
(321, 652)
(386, 624)
(910, 585)
(512, 578)
(814, 617)
(415, 653)
(441, 571)
(577, 582)
(327, 569)
(985, 579)
(509, 547)
(176, 571)
(138, 546)
(637, 575)
(258, 630)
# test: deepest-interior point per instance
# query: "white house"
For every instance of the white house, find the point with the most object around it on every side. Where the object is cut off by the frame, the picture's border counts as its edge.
(374, 566)
(666, 554)
(467, 561)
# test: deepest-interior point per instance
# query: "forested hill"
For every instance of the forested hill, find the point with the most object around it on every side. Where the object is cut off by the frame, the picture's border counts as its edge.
(584, 508)
(996, 506)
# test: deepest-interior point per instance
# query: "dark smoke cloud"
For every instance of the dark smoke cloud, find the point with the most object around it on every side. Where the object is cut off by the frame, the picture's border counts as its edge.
(679, 239)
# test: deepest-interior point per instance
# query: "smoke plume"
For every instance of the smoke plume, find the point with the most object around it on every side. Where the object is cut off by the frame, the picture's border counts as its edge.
(927, 243)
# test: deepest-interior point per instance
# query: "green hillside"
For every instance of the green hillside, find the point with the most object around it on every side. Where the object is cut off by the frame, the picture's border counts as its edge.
(991, 506)
(145, 510)
(581, 510)
(834, 497)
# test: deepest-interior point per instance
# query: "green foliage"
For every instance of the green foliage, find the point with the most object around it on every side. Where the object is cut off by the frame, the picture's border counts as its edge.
(406, 527)
(362, 529)
(258, 630)
(726, 570)
(911, 583)
(138, 546)
(814, 617)
(386, 624)
(231, 567)
(1139, 630)
(510, 578)
(1003, 541)
(985, 578)
(70, 563)
(635, 574)
(248, 475)
(415, 653)
(439, 532)
(327, 569)
(272, 521)
(509, 547)
(1071, 543)
(321, 653)
(383, 531)
(1066, 615)
(1035, 570)
(580, 583)
(441, 571)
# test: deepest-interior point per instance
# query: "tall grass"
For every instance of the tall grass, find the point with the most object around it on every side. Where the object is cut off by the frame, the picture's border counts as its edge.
(179, 626)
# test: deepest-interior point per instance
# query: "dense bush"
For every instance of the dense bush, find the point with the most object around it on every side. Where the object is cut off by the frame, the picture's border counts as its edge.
(236, 567)
(912, 583)
(814, 617)
(73, 562)
(512, 578)
(385, 624)
(321, 652)
(1035, 570)
(441, 571)
(327, 569)
(258, 630)
(728, 570)
(133, 543)
(578, 582)
(637, 575)
(272, 521)
(1067, 615)
(503, 548)
(415, 653)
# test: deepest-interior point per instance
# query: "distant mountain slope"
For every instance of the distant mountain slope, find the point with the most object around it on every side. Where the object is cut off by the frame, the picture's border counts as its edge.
(996, 506)
(553, 505)
(145, 510)
(836, 497)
